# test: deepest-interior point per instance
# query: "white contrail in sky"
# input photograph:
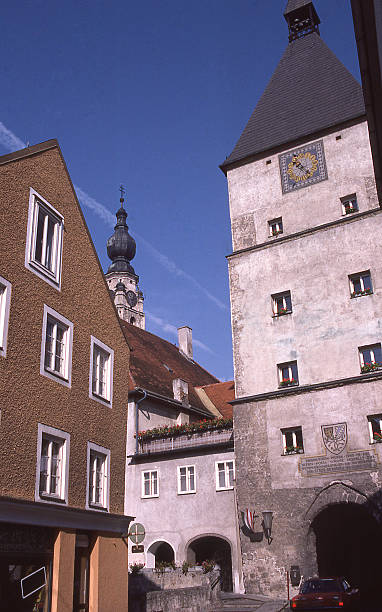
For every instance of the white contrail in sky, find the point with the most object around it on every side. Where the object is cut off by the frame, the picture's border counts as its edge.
(11, 142)
(167, 327)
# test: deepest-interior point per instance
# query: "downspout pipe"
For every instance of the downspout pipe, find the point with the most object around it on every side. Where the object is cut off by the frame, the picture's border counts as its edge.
(137, 416)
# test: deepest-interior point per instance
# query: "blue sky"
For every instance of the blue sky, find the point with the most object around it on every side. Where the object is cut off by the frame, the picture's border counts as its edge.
(154, 95)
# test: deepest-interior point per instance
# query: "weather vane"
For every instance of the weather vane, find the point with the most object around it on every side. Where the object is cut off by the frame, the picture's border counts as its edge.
(123, 191)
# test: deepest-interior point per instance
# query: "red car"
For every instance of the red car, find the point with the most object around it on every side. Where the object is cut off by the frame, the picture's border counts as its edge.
(326, 594)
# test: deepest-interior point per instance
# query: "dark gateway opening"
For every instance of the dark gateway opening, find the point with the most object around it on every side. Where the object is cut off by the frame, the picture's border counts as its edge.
(213, 549)
(348, 543)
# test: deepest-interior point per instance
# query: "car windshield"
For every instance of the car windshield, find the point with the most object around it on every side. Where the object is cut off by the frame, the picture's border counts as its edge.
(321, 586)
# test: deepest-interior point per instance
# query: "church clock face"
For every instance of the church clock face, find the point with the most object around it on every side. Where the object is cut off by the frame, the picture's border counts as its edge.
(303, 167)
(131, 298)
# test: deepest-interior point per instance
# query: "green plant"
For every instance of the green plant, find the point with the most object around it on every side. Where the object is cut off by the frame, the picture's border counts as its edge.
(370, 367)
(185, 567)
(171, 431)
(160, 566)
(135, 568)
(207, 566)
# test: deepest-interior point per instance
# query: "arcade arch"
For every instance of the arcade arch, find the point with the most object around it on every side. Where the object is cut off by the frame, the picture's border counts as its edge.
(160, 552)
(214, 548)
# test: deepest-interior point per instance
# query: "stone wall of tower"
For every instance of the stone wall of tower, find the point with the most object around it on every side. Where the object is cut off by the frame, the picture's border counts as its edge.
(313, 264)
(134, 315)
(313, 258)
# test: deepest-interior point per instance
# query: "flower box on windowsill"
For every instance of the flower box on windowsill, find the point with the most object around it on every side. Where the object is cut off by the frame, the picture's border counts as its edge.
(291, 450)
(377, 438)
(288, 382)
(281, 312)
(276, 233)
(349, 210)
(371, 367)
(359, 293)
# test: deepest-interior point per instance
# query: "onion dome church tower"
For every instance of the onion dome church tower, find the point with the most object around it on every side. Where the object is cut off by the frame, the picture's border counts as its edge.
(121, 277)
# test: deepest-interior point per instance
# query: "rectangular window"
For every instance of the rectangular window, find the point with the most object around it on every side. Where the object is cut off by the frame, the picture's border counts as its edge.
(225, 475)
(98, 461)
(288, 374)
(56, 347)
(275, 226)
(150, 484)
(281, 303)
(186, 479)
(292, 441)
(349, 204)
(370, 357)
(52, 464)
(44, 239)
(360, 284)
(375, 428)
(101, 372)
(5, 300)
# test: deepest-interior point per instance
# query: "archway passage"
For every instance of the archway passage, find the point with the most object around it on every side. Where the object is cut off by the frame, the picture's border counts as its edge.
(216, 549)
(348, 543)
(160, 553)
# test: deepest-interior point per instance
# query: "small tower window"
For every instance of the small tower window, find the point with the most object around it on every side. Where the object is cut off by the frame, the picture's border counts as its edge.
(275, 227)
(349, 204)
(281, 303)
(292, 441)
(287, 374)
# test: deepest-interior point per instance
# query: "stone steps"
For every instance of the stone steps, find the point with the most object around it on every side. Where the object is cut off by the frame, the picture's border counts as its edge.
(232, 602)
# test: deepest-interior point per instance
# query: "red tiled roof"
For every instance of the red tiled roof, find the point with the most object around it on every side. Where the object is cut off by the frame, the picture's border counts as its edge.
(155, 363)
(220, 394)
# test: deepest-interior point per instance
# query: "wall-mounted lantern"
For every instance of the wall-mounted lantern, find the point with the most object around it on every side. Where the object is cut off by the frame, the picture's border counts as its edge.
(267, 524)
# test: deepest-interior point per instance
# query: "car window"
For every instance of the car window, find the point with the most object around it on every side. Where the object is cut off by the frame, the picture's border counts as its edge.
(323, 585)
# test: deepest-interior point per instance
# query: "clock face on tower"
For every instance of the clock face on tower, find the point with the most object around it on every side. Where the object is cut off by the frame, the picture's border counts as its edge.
(131, 298)
(303, 166)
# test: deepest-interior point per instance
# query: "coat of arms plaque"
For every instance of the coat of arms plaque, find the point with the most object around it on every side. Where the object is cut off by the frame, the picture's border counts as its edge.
(335, 437)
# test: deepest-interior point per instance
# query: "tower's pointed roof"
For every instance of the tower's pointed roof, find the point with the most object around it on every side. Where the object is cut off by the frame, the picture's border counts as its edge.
(310, 91)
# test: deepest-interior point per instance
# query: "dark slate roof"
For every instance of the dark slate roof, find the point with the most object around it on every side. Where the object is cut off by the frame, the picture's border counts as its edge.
(310, 90)
(295, 4)
(155, 363)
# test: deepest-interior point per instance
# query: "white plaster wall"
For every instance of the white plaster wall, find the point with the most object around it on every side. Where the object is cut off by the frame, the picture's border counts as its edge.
(326, 327)
(310, 411)
(180, 518)
(255, 194)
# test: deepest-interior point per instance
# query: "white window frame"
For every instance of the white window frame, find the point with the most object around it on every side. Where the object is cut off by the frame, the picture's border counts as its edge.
(188, 469)
(5, 305)
(289, 365)
(104, 454)
(107, 399)
(65, 378)
(151, 481)
(293, 431)
(371, 433)
(53, 277)
(277, 296)
(369, 347)
(227, 486)
(359, 277)
(275, 227)
(351, 202)
(64, 438)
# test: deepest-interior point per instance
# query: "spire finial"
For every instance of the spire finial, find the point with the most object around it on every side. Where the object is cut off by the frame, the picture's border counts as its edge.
(123, 191)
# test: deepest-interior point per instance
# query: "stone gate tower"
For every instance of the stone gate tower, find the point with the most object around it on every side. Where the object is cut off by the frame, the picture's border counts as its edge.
(306, 299)
(121, 277)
